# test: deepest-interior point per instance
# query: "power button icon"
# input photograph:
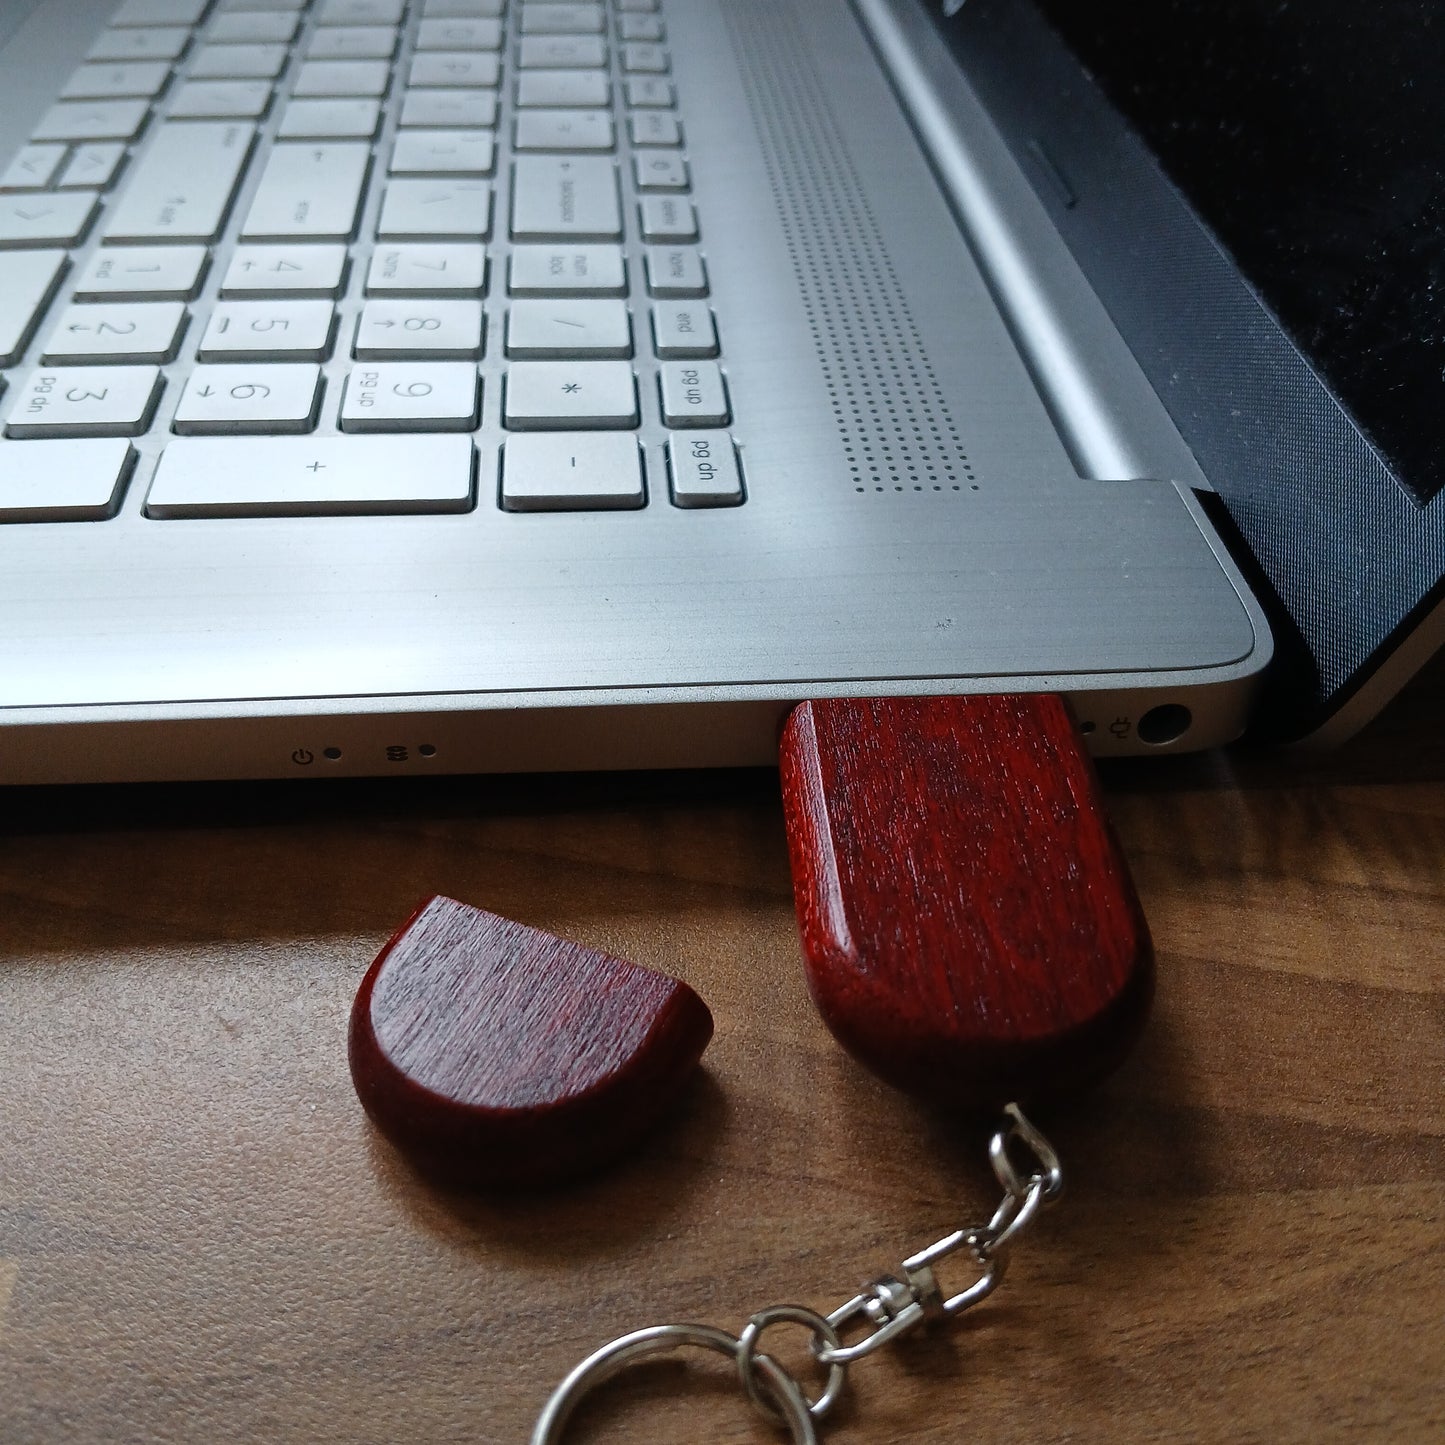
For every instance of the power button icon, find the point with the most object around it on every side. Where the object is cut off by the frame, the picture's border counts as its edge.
(302, 757)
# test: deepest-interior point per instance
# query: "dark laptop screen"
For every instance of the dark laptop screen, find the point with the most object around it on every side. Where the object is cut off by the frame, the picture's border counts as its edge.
(1311, 139)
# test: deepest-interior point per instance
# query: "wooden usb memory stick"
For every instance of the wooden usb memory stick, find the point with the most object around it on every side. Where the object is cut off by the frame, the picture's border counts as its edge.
(969, 926)
(969, 929)
(497, 1055)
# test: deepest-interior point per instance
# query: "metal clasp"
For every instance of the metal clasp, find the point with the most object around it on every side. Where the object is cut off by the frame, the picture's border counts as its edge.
(888, 1306)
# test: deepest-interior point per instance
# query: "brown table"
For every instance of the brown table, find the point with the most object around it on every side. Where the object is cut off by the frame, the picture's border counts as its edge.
(201, 1238)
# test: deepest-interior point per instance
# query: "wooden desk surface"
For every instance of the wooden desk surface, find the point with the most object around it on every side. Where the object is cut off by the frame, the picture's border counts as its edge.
(201, 1238)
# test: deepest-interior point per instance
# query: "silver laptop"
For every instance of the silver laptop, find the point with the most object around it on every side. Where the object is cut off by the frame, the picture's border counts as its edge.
(408, 386)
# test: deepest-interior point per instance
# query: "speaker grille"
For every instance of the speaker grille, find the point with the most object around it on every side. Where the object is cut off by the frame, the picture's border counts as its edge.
(892, 415)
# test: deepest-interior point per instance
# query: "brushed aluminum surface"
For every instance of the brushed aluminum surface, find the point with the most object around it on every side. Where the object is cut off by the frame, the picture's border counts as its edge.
(1000, 567)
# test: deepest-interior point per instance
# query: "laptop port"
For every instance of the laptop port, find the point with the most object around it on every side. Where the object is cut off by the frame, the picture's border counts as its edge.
(1166, 723)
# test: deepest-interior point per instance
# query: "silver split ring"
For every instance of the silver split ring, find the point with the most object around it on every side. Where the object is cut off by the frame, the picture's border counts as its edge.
(783, 1392)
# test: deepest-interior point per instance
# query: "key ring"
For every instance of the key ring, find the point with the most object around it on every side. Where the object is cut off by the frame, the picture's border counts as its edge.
(781, 1392)
(888, 1306)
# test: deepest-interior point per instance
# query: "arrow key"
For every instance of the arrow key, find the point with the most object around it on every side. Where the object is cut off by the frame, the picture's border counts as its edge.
(233, 400)
(33, 168)
(285, 271)
(143, 332)
(428, 329)
(46, 219)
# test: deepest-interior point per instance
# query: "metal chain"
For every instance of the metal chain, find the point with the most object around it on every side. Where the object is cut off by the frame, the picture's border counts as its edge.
(886, 1309)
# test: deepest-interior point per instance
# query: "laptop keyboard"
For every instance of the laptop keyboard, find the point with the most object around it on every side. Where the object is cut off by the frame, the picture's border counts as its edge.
(272, 258)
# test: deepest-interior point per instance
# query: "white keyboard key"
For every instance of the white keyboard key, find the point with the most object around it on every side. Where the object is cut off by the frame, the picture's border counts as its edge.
(562, 395)
(441, 109)
(564, 88)
(571, 472)
(165, 42)
(341, 119)
(667, 218)
(94, 164)
(565, 198)
(411, 396)
(285, 271)
(308, 193)
(92, 120)
(268, 331)
(342, 77)
(675, 271)
(312, 476)
(454, 69)
(62, 481)
(352, 42)
(564, 327)
(683, 329)
(48, 218)
(563, 20)
(143, 273)
(640, 27)
(567, 271)
(649, 91)
(231, 7)
(232, 400)
(459, 35)
(427, 270)
(626, 6)
(659, 171)
(28, 279)
(158, 12)
(654, 128)
(116, 331)
(221, 100)
(703, 469)
(209, 156)
(443, 152)
(643, 59)
(359, 12)
(253, 28)
(103, 401)
(548, 52)
(118, 81)
(565, 130)
(237, 62)
(33, 168)
(693, 394)
(433, 330)
(443, 208)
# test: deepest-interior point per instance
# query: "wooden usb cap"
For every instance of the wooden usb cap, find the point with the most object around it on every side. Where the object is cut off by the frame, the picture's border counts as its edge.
(969, 926)
(496, 1054)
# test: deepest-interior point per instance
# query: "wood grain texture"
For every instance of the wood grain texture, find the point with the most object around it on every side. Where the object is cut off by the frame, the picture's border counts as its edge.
(495, 1054)
(969, 926)
(202, 1238)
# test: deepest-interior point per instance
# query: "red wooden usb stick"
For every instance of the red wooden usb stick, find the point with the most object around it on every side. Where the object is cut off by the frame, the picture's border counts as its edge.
(969, 926)
(495, 1054)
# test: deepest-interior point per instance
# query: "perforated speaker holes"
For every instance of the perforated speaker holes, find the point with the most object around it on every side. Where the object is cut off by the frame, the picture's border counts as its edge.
(891, 413)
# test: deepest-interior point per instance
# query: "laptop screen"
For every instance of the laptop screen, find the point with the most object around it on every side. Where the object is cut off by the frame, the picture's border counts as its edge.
(1311, 139)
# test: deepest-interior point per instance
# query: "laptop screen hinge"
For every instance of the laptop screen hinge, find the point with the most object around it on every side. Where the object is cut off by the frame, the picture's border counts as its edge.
(1108, 416)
